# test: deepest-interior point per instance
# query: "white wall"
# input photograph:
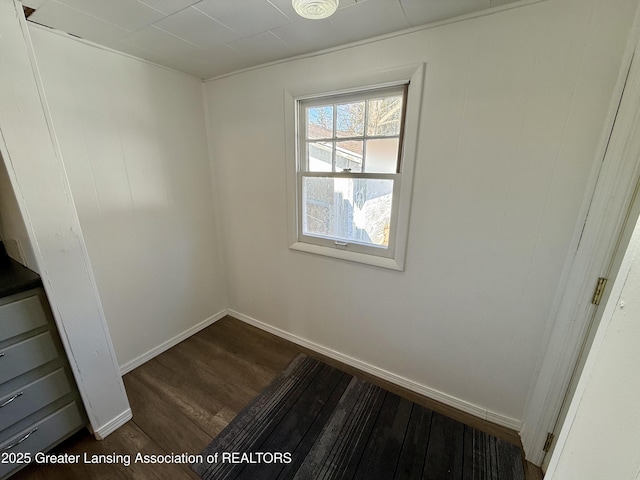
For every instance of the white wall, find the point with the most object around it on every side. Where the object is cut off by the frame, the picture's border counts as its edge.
(134, 144)
(601, 438)
(513, 112)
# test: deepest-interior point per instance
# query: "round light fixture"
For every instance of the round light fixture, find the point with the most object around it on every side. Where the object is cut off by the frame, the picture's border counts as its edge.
(315, 9)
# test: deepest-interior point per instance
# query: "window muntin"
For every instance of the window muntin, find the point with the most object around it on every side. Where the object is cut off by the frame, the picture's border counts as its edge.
(349, 151)
(358, 131)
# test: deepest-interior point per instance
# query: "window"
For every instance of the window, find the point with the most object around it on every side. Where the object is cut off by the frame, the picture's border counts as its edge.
(353, 163)
(349, 157)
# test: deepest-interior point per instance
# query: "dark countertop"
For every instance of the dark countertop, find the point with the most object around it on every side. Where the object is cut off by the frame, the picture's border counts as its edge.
(15, 278)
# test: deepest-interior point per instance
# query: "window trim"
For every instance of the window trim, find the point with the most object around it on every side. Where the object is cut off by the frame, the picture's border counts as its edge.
(403, 180)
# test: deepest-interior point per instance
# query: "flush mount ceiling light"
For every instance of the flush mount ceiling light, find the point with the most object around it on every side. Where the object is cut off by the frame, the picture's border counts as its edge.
(315, 9)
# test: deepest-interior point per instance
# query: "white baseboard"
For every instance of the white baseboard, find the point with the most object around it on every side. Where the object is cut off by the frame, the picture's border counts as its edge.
(112, 425)
(428, 392)
(145, 357)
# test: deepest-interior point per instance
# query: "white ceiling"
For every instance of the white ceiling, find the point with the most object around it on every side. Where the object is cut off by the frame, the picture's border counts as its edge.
(208, 38)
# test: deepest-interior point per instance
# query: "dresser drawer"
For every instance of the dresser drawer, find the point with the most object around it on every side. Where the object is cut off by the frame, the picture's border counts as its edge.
(42, 435)
(27, 355)
(32, 397)
(20, 316)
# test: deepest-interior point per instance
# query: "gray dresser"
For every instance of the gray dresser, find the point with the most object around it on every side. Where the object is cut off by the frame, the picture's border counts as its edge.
(39, 401)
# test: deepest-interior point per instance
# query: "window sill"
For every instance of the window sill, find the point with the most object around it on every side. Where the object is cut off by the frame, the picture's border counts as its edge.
(383, 262)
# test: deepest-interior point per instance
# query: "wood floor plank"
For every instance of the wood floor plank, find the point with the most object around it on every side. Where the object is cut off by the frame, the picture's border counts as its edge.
(155, 414)
(299, 453)
(412, 456)
(533, 472)
(469, 472)
(444, 462)
(381, 454)
(227, 366)
(360, 436)
(234, 381)
(188, 396)
(507, 467)
(250, 342)
(485, 455)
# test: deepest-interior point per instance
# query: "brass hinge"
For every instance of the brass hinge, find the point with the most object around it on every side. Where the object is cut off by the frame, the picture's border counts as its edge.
(597, 295)
(548, 442)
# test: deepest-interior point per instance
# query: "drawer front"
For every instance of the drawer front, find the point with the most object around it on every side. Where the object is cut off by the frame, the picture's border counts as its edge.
(27, 355)
(21, 316)
(42, 435)
(31, 398)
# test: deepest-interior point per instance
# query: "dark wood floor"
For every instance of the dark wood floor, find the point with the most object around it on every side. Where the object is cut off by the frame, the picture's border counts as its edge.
(184, 397)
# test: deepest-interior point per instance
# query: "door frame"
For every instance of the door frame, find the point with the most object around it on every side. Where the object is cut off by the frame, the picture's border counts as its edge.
(615, 180)
(614, 270)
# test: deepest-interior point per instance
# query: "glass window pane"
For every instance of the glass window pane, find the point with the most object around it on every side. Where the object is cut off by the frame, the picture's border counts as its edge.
(350, 120)
(354, 210)
(382, 155)
(320, 155)
(384, 116)
(320, 122)
(349, 155)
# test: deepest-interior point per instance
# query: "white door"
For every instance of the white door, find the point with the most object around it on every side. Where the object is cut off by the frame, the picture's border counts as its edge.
(610, 273)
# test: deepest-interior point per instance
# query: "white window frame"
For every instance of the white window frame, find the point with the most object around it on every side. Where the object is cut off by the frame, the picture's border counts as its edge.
(392, 257)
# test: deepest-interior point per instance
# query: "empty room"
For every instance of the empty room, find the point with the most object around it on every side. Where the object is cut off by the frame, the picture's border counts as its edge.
(319, 239)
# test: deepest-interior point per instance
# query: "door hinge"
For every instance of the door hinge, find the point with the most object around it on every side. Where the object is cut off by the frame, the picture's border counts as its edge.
(597, 295)
(548, 442)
